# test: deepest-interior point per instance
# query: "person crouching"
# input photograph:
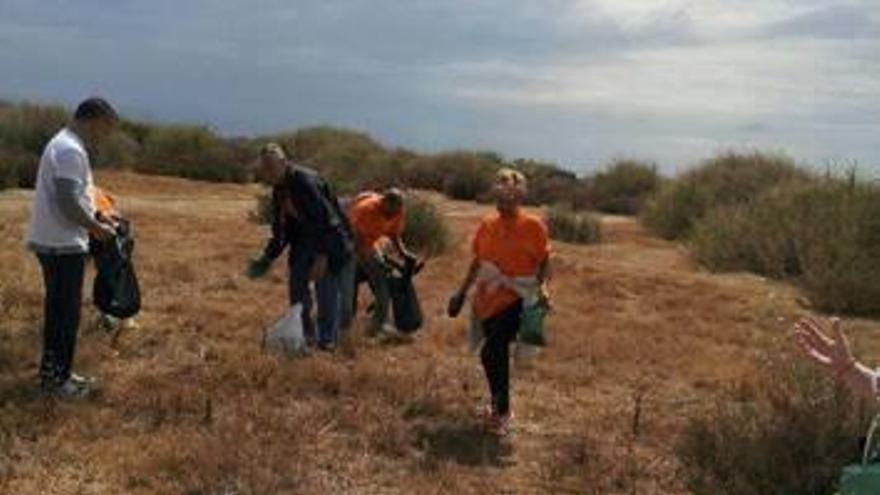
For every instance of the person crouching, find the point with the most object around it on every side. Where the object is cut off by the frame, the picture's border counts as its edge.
(375, 217)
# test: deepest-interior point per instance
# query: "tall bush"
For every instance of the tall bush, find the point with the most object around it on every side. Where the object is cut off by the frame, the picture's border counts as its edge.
(839, 247)
(550, 185)
(823, 235)
(25, 129)
(726, 180)
(8, 172)
(192, 152)
(568, 225)
(426, 229)
(624, 187)
(460, 174)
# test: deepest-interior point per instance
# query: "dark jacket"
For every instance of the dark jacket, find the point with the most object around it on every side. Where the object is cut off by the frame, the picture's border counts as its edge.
(308, 216)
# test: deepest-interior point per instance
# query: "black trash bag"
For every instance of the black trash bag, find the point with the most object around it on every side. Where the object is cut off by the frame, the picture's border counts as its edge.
(405, 303)
(116, 291)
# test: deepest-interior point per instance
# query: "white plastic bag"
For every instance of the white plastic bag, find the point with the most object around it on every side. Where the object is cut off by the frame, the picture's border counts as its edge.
(286, 336)
(475, 334)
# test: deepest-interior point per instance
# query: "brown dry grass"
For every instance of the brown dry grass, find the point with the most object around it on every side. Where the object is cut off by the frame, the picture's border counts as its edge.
(189, 405)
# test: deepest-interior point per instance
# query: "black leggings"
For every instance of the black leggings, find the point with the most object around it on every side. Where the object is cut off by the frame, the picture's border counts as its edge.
(500, 330)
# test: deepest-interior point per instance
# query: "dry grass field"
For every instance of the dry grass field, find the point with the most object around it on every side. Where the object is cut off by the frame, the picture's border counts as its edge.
(641, 340)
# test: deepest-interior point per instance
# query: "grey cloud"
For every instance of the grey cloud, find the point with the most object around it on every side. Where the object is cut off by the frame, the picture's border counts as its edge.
(841, 21)
(398, 69)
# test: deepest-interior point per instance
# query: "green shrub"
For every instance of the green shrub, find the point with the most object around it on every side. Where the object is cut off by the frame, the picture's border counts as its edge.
(823, 235)
(8, 172)
(426, 230)
(549, 185)
(119, 151)
(671, 213)
(624, 187)
(838, 244)
(760, 237)
(26, 166)
(726, 180)
(137, 131)
(25, 129)
(190, 152)
(792, 435)
(460, 174)
(575, 227)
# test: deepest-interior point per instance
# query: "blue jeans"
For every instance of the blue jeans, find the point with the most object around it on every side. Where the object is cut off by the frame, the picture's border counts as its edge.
(334, 296)
(377, 277)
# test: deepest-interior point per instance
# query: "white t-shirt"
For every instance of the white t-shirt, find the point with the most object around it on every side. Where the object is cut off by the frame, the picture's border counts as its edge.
(64, 157)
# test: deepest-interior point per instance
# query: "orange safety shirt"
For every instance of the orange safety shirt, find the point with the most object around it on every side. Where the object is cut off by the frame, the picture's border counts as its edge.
(371, 223)
(518, 246)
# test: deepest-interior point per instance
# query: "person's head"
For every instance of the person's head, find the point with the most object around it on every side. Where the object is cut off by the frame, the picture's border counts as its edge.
(273, 161)
(392, 201)
(509, 189)
(94, 120)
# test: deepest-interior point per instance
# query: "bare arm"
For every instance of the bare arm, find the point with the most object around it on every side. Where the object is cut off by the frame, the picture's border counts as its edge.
(861, 380)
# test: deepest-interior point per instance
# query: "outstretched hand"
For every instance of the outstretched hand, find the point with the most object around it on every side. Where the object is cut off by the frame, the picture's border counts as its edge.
(832, 353)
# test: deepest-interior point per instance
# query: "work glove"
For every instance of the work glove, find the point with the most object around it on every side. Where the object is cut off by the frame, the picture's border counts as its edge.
(456, 303)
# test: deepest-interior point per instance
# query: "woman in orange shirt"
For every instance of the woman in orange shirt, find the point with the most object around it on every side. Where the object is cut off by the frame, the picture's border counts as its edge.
(511, 260)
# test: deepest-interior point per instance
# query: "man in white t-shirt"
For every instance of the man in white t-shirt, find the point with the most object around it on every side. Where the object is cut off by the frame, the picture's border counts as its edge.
(62, 219)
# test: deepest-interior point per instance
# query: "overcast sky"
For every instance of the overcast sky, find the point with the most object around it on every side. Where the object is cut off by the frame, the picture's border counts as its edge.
(577, 82)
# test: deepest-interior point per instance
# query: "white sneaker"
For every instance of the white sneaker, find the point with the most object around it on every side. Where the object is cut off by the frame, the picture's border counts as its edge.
(130, 324)
(82, 380)
(70, 390)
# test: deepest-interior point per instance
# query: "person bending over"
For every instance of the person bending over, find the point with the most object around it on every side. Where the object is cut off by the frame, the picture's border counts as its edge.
(309, 221)
(375, 217)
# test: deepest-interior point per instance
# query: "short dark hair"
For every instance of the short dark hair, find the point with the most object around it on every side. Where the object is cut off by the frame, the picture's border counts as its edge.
(95, 108)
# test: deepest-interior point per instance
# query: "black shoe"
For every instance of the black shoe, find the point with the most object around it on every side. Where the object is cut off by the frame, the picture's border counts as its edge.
(327, 347)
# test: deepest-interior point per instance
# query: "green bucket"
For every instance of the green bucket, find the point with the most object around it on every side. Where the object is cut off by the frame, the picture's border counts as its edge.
(859, 479)
(531, 326)
(864, 478)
